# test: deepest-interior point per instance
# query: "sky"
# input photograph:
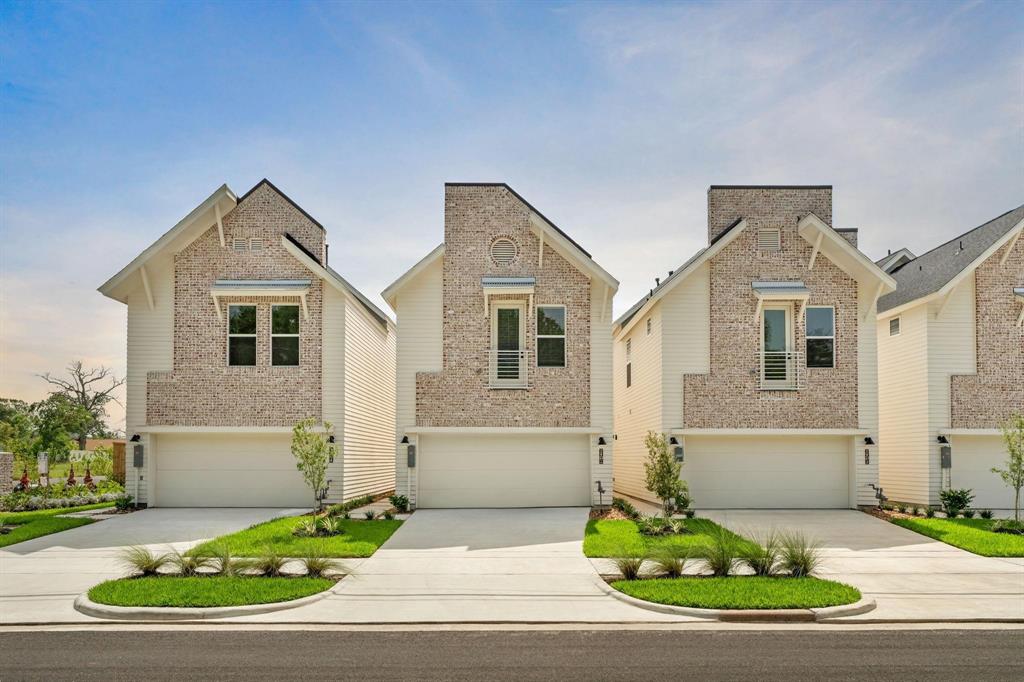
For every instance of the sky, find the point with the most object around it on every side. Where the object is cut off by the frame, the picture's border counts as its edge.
(613, 119)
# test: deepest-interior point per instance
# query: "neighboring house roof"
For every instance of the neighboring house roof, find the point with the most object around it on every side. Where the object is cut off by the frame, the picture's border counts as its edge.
(292, 245)
(894, 261)
(942, 268)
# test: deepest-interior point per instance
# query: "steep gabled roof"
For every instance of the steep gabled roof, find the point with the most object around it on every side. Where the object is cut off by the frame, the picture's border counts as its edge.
(894, 261)
(284, 196)
(929, 273)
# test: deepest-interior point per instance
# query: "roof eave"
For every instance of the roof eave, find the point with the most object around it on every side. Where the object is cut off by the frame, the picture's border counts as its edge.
(565, 247)
(390, 294)
(811, 225)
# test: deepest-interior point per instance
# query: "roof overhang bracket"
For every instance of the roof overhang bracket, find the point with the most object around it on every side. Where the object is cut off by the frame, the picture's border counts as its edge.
(220, 224)
(757, 310)
(1019, 293)
(1009, 249)
(874, 301)
(540, 250)
(216, 306)
(145, 285)
(604, 303)
(814, 253)
(945, 302)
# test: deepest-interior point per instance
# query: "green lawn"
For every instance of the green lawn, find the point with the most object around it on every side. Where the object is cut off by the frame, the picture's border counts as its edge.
(204, 591)
(605, 538)
(970, 534)
(360, 539)
(34, 524)
(741, 592)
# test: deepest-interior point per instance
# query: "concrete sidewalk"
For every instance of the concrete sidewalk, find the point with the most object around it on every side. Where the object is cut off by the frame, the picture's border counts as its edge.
(40, 578)
(476, 566)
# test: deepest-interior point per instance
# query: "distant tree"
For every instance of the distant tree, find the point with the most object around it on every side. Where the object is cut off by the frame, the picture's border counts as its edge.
(92, 390)
(1013, 473)
(18, 432)
(59, 422)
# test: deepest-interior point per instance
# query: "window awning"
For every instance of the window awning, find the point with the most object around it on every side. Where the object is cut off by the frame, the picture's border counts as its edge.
(506, 286)
(282, 288)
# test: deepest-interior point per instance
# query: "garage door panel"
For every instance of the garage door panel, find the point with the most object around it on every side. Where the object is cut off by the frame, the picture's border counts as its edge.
(228, 470)
(767, 473)
(503, 471)
(973, 459)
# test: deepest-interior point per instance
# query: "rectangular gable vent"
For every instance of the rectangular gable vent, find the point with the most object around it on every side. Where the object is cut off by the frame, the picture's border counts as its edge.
(240, 244)
(256, 244)
(894, 326)
(769, 240)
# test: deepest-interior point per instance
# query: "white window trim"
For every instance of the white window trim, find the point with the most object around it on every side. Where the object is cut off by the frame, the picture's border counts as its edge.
(227, 348)
(899, 325)
(790, 311)
(564, 335)
(808, 337)
(273, 335)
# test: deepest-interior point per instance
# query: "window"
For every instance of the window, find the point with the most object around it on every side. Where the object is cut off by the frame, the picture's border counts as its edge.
(284, 335)
(629, 363)
(551, 336)
(240, 244)
(242, 335)
(821, 336)
(769, 240)
(648, 326)
(894, 326)
(503, 250)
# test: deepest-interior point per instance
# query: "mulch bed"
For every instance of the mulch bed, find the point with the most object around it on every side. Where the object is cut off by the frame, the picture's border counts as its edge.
(609, 514)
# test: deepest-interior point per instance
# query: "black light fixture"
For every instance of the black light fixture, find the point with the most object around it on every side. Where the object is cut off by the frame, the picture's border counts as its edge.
(405, 440)
(868, 440)
(135, 438)
(601, 441)
(673, 440)
(943, 440)
(330, 439)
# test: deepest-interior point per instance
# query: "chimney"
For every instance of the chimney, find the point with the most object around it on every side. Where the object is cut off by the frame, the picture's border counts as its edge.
(774, 206)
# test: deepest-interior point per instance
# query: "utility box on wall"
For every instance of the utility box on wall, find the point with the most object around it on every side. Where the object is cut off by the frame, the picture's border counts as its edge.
(946, 457)
(411, 457)
(137, 456)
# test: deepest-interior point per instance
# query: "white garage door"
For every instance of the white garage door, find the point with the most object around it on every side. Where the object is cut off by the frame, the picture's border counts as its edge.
(767, 473)
(973, 459)
(503, 471)
(228, 470)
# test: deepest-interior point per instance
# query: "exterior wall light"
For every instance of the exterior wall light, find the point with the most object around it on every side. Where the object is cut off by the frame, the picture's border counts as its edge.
(405, 440)
(135, 438)
(869, 440)
(943, 440)
(673, 440)
(601, 441)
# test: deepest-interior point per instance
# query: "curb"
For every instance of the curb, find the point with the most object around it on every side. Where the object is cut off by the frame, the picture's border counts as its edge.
(746, 615)
(166, 613)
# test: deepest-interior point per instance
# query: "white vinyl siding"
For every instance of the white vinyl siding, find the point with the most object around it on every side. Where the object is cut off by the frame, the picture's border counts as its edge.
(766, 472)
(867, 397)
(419, 316)
(228, 470)
(601, 403)
(504, 470)
(333, 405)
(150, 349)
(368, 444)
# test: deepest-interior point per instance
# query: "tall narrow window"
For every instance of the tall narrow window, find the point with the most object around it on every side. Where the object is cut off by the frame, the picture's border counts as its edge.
(629, 362)
(241, 335)
(284, 335)
(821, 337)
(551, 336)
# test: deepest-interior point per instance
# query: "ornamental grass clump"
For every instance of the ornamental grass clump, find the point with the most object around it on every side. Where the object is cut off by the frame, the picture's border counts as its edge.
(317, 565)
(189, 564)
(986, 513)
(369, 515)
(269, 563)
(929, 512)
(670, 560)
(800, 556)
(142, 561)
(762, 556)
(722, 552)
(628, 561)
(223, 563)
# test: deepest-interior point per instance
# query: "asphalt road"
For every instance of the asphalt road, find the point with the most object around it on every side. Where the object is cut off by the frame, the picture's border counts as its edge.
(535, 655)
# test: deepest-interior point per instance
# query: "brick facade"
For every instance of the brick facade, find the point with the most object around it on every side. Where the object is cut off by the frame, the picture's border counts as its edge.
(459, 395)
(202, 390)
(986, 399)
(729, 396)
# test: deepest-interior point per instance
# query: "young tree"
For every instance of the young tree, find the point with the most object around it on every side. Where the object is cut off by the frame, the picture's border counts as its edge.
(1013, 474)
(91, 389)
(313, 451)
(662, 472)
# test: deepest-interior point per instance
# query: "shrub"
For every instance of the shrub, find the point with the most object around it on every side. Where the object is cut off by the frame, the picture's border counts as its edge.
(690, 513)
(55, 497)
(722, 553)
(968, 513)
(329, 526)
(900, 508)
(399, 502)
(141, 560)
(317, 565)
(306, 527)
(955, 501)
(650, 525)
(628, 562)
(916, 511)
(189, 564)
(670, 560)
(346, 515)
(1011, 526)
(341, 509)
(269, 562)
(763, 555)
(929, 512)
(800, 556)
(661, 472)
(123, 503)
(368, 515)
(986, 513)
(388, 514)
(625, 507)
(313, 451)
(677, 526)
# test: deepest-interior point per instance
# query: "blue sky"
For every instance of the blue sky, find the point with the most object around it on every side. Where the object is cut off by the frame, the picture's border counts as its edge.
(612, 119)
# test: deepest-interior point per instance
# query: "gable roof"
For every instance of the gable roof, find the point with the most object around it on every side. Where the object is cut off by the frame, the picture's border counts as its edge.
(894, 261)
(391, 292)
(284, 196)
(931, 272)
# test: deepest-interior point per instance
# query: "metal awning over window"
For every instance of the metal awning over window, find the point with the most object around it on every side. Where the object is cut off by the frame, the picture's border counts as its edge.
(284, 288)
(778, 291)
(506, 286)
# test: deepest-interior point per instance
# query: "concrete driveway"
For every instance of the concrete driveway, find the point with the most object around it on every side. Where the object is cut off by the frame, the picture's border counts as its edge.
(910, 576)
(475, 565)
(40, 578)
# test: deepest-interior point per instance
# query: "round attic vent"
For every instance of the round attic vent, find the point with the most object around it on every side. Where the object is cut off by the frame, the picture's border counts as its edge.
(503, 250)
